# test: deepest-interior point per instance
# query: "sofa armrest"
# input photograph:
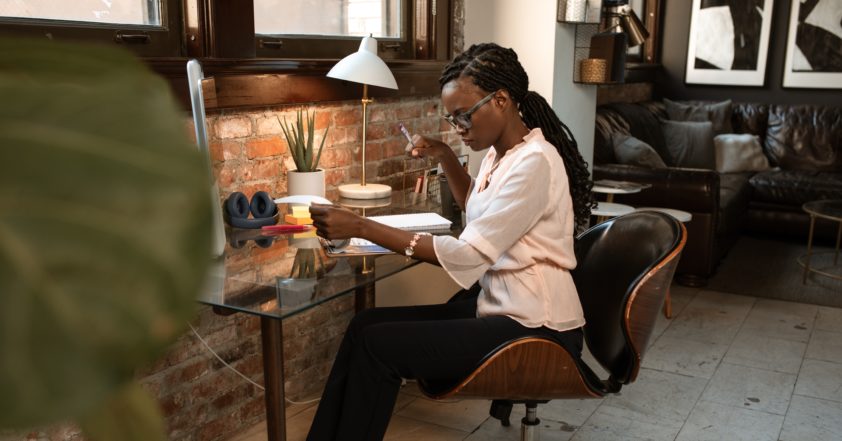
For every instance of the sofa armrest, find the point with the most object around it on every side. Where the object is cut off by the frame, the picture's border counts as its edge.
(689, 189)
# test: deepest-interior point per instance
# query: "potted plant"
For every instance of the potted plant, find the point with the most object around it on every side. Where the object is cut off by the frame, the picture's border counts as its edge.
(307, 178)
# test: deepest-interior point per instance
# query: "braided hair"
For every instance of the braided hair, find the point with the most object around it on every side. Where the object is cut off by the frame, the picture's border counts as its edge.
(492, 67)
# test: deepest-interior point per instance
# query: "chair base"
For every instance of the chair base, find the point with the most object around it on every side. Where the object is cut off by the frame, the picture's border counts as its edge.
(529, 423)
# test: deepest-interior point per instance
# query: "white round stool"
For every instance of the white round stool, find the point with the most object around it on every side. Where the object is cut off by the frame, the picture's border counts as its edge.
(681, 215)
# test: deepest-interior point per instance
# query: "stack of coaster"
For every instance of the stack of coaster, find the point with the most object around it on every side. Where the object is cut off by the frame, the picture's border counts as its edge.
(300, 215)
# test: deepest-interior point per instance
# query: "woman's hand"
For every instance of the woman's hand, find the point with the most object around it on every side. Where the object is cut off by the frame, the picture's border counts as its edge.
(427, 147)
(334, 222)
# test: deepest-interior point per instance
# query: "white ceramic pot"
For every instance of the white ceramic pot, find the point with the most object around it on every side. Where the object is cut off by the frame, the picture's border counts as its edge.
(306, 183)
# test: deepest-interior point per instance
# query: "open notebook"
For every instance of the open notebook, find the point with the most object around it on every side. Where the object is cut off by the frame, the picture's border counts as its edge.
(430, 222)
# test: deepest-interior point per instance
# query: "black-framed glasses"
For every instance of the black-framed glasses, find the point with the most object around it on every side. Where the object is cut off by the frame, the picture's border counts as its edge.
(463, 119)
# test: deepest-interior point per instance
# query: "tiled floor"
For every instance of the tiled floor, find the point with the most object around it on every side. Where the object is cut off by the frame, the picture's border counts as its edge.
(726, 367)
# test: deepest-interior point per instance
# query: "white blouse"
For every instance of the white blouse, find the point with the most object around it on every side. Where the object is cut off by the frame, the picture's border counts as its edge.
(518, 241)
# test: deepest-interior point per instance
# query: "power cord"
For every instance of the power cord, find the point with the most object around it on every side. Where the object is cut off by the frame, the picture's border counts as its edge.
(207, 346)
(205, 343)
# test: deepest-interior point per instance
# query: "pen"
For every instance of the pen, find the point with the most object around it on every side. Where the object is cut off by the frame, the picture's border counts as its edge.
(286, 228)
(408, 137)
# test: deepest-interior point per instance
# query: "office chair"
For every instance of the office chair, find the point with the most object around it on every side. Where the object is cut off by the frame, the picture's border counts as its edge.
(625, 266)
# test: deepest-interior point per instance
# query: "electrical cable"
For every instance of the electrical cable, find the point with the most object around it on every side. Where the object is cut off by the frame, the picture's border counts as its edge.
(205, 343)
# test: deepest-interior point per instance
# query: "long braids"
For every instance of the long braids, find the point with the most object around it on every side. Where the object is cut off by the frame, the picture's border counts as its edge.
(492, 67)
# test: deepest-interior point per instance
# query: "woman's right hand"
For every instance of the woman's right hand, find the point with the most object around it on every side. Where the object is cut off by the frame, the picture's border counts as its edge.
(427, 147)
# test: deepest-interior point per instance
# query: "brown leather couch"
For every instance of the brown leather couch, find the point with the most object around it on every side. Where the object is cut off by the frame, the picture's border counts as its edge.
(803, 143)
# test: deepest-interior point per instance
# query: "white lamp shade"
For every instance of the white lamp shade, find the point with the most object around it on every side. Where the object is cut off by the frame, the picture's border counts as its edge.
(365, 67)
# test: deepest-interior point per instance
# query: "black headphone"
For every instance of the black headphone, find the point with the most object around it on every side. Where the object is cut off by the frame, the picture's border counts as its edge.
(262, 208)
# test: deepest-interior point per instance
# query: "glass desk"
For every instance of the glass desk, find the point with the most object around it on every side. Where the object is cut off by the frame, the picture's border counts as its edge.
(279, 276)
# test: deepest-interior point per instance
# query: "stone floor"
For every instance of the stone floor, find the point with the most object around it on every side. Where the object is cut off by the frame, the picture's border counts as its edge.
(726, 367)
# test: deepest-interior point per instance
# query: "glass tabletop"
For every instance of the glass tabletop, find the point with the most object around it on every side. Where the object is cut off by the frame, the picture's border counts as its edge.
(829, 208)
(285, 274)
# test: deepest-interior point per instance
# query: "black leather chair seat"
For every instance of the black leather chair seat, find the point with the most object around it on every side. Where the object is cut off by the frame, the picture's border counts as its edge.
(795, 187)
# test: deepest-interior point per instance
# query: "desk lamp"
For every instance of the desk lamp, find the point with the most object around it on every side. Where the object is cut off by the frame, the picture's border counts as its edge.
(365, 67)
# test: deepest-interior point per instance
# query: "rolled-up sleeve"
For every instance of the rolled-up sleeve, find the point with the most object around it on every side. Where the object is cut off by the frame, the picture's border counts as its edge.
(521, 202)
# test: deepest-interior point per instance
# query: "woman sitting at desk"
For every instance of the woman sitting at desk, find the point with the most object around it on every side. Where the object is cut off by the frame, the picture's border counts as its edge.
(518, 244)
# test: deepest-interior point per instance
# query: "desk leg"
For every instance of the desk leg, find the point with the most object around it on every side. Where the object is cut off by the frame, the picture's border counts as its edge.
(271, 333)
(809, 249)
(364, 297)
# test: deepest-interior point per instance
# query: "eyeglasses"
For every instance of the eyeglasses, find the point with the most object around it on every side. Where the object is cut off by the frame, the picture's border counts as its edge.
(463, 119)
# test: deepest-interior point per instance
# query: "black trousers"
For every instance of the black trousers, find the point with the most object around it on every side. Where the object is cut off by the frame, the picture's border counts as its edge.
(383, 345)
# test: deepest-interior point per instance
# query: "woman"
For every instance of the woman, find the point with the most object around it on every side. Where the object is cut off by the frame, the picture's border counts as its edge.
(517, 244)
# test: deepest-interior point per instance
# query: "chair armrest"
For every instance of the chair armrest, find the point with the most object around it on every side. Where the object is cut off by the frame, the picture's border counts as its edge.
(689, 189)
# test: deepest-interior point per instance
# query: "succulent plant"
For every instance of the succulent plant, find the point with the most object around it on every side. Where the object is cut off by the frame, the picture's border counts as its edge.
(301, 145)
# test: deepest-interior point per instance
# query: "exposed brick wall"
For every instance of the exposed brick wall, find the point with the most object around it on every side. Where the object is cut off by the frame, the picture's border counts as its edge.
(204, 401)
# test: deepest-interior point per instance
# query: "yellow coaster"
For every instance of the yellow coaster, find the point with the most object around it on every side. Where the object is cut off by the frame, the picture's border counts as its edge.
(290, 219)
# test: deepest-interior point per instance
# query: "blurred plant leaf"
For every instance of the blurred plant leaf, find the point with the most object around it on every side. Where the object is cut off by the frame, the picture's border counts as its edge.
(104, 226)
(130, 415)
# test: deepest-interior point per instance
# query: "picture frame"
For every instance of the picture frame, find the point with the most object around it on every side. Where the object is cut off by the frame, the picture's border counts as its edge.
(729, 44)
(814, 45)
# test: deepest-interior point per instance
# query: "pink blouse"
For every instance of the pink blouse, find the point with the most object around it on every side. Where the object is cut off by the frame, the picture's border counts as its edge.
(518, 242)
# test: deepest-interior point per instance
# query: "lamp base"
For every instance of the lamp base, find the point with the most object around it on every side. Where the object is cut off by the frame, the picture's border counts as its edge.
(367, 191)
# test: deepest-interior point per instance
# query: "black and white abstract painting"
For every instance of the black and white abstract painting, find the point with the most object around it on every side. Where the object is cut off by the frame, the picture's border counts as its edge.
(814, 45)
(729, 42)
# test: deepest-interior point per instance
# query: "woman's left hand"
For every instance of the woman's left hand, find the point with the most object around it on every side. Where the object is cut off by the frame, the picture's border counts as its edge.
(333, 222)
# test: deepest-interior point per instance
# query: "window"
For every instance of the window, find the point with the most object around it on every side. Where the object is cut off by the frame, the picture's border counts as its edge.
(331, 28)
(137, 12)
(260, 52)
(149, 27)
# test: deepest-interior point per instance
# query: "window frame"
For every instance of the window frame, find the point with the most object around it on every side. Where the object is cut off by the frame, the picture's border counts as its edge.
(220, 34)
(312, 46)
(162, 40)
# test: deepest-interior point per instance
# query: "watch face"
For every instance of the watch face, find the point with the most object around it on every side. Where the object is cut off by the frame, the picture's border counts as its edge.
(408, 251)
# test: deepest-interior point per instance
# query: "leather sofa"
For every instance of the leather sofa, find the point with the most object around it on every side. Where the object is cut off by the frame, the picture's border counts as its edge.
(803, 143)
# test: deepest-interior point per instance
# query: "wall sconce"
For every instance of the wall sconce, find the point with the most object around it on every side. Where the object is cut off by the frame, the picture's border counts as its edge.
(618, 14)
(366, 68)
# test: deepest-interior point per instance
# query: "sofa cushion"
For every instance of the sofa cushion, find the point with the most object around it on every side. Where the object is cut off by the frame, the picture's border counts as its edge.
(629, 119)
(719, 114)
(690, 144)
(739, 153)
(632, 151)
(750, 118)
(790, 187)
(805, 137)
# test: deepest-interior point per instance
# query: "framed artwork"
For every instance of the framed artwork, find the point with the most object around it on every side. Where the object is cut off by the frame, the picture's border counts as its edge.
(814, 45)
(729, 42)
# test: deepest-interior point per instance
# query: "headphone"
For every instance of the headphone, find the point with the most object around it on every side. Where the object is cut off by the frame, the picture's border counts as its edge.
(261, 206)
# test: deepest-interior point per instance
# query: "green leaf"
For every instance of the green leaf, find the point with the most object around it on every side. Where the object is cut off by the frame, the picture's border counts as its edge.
(321, 149)
(105, 227)
(308, 158)
(130, 415)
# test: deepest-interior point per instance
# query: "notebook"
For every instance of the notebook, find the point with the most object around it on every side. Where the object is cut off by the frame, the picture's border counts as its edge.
(431, 222)
(415, 221)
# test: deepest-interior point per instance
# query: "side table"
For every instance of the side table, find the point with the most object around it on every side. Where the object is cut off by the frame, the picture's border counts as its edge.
(830, 209)
(605, 210)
